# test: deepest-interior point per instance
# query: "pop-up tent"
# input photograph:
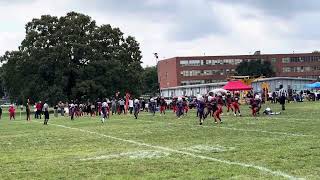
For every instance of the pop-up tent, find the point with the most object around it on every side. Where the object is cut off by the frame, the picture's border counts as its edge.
(236, 86)
(315, 85)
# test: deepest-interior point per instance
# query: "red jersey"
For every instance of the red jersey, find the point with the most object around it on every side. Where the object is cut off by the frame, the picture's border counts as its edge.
(12, 110)
(38, 107)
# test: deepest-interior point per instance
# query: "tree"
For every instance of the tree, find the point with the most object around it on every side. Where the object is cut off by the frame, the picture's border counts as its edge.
(150, 81)
(72, 58)
(255, 68)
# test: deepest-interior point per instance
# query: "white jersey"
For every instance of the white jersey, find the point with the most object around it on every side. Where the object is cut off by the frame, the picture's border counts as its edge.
(104, 104)
(131, 103)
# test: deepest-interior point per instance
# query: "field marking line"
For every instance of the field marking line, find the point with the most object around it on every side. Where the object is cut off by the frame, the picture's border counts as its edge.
(260, 168)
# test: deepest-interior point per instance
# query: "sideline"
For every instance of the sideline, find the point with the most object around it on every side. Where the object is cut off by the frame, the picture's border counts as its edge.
(260, 168)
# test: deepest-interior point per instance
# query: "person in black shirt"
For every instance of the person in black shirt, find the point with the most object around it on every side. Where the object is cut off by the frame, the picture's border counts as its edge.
(28, 111)
(282, 101)
(0, 112)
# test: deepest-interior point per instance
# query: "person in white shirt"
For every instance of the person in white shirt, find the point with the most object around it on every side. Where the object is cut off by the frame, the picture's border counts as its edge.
(45, 109)
(130, 106)
(121, 103)
(104, 111)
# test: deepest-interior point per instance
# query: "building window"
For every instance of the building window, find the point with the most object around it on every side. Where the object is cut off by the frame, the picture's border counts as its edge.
(184, 63)
(285, 60)
(192, 82)
(286, 69)
(273, 60)
(194, 63)
(307, 68)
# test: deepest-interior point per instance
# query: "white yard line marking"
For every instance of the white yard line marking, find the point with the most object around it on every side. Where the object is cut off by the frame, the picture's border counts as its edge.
(260, 168)
(144, 154)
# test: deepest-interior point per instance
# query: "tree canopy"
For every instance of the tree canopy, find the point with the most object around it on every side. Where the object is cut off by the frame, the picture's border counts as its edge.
(150, 81)
(71, 57)
(255, 68)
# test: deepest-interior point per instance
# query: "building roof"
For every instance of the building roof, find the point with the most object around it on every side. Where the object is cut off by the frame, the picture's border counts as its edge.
(244, 55)
(196, 86)
(224, 83)
(283, 78)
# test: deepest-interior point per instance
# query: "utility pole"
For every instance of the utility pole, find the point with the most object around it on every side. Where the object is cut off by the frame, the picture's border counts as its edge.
(156, 55)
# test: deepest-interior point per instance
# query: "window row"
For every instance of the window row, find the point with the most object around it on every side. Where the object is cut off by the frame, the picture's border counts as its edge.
(207, 81)
(207, 72)
(301, 59)
(192, 82)
(210, 62)
(301, 69)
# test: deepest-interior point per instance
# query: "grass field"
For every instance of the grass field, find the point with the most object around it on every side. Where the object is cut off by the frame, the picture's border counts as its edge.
(279, 147)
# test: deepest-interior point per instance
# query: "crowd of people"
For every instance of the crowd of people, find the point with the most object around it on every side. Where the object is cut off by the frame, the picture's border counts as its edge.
(208, 106)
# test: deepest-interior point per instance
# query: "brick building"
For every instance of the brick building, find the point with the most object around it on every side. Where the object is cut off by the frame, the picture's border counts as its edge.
(180, 71)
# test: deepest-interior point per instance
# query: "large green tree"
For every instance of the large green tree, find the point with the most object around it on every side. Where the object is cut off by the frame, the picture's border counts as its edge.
(150, 81)
(255, 68)
(72, 58)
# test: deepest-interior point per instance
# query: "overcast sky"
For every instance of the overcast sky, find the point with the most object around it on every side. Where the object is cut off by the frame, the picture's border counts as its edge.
(184, 27)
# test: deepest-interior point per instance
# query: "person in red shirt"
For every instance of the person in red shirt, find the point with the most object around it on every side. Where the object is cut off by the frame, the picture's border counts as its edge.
(186, 106)
(229, 102)
(163, 106)
(12, 112)
(219, 110)
(236, 105)
(39, 109)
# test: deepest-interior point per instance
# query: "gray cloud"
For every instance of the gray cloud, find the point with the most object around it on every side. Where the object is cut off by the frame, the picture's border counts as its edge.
(279, 8)
(190, 19)
(10, 2)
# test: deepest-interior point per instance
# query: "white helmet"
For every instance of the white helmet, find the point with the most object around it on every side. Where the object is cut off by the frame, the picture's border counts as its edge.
(257, 97)
(210, 98)
(136, 101)
(152, 100)
(268, 109)
(179, 98)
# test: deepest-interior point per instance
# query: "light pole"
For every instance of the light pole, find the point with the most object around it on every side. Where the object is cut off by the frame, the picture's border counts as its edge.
(156, 55)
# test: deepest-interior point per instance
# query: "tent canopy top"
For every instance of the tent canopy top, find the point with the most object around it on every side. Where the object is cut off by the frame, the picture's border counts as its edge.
(236, 86)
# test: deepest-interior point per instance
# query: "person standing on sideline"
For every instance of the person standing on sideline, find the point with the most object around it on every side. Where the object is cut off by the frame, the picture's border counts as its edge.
(72, 110)
(136, 109)
(282, 101)
(61, 107)
(46, 113)
(39, 108)
(121, 104)
(56, 111)
(130, 105)
(0, 111)
(12, 112)
(28, 111)
(113, 106)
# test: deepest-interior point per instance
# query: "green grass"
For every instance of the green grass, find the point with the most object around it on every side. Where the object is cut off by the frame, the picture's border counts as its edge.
(287, 144)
